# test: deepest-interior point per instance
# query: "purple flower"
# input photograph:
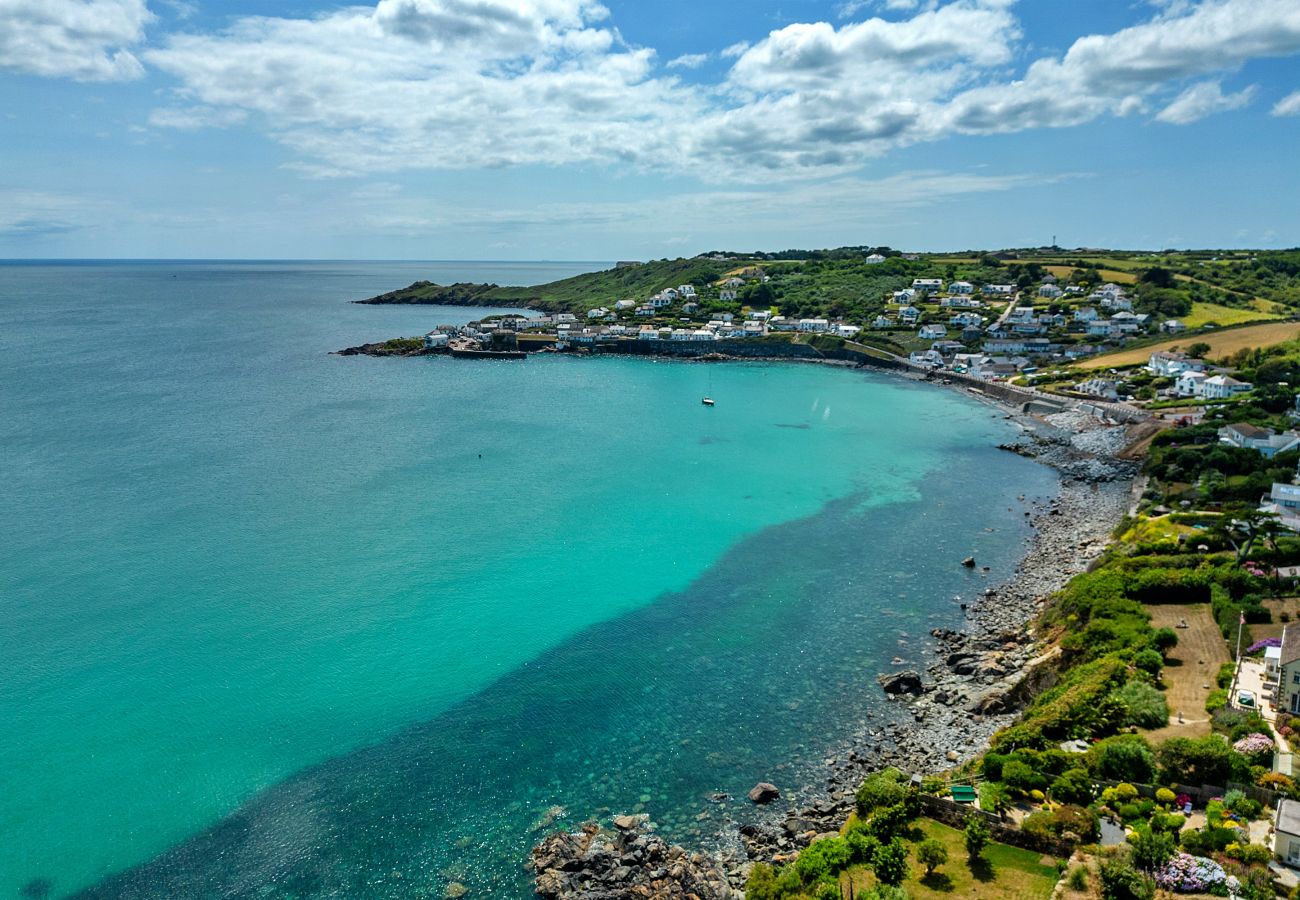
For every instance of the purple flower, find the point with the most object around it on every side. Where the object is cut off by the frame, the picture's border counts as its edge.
(1266, 642)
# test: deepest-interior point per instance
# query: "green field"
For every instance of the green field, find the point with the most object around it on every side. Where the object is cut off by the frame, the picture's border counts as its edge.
(1006, 873)
(1203, 313)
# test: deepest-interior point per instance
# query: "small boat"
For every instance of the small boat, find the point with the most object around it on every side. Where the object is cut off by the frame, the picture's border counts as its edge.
(707, 401)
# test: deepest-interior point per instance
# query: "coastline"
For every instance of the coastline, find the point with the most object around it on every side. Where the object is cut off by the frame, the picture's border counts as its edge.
(975, 682)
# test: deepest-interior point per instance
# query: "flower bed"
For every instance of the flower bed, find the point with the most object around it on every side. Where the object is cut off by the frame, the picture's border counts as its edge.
(1187, 874)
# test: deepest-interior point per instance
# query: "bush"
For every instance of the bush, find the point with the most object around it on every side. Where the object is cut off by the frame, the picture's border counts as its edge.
(1078, 880)
(1165, 796)
(1206, 760)
(890, 862)
(1225, 675)
(1149, 661)
(1120, 881)
(1250, 854)
(1075, 786)
(1079, 821)
(1216, 700)
(821, 859)
(1145, 704)
(883, 788)
(1164, 639)
(1208, 840)
(931, 854)
(1018, 776)
(994, 798)
(1152, 849)
(1124, 759)
(862, 845)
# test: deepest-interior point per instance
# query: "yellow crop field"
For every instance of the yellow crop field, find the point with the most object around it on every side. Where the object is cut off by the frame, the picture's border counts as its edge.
(1222, 343)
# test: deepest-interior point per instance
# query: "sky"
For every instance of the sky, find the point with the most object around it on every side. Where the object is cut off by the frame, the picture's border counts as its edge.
(635, 129)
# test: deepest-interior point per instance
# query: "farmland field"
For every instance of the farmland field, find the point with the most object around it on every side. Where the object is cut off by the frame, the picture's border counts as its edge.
(1223, 315)
(1222, 343)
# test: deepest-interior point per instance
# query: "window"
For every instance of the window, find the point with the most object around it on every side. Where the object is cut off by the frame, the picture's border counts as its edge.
(1295, 703)
(1295, 678)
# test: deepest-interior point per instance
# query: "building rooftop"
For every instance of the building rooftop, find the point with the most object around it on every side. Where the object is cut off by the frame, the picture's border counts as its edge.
(1288, 817)
(1290, 653)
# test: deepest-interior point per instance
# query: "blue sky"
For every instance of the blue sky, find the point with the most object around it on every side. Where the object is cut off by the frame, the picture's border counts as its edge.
(575, 129)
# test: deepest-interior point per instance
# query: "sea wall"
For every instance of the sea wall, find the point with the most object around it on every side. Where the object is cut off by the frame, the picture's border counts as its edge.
(746, 349)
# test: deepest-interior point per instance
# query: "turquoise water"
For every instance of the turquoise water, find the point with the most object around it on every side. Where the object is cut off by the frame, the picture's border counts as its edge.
(281, 623)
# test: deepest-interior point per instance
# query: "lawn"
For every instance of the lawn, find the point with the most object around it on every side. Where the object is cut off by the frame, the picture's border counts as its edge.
(1222, 343)
(1203, 313)
(1005, 872)
(1189, 667)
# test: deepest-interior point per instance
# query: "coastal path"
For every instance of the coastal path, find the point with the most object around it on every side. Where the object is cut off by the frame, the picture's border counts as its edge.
(1189, 668)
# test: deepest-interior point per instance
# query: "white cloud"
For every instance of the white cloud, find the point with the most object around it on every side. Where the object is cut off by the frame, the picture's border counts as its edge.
(446, 84)
(1201, 100)
(688, 61)
(86, 40)
(1119, 73)
(193, 118)
(1288, 105)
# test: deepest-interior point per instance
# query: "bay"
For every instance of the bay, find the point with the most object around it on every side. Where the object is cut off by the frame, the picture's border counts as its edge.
(324, 624)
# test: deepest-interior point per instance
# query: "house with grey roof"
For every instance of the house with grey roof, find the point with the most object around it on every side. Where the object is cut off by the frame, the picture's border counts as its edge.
(1286, 833)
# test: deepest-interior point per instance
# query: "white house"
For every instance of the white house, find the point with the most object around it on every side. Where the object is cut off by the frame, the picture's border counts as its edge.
(961, 287)
(686, 290)
(927, 285)
(645, 310)
(727, 294)
(814, 325)
(1172, 326)
(962, 320)
(690, 307)
(847, 331)
(1190, 384)
(566, 317)
(932, 332)
(960, 302)
(598, 313)
(1171, 365)
(1001, 290)
(435, 339)
(882, 322)
(930, 359)
(1085, 314)
(904, 296)
(874, 259)
(1050, 291)
(1221, 387)
(908, 315)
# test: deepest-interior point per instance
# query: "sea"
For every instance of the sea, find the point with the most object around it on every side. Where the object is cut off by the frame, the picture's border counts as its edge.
(282, 623)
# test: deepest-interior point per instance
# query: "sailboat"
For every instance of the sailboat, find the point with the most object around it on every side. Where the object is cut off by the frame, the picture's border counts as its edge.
(708, 399)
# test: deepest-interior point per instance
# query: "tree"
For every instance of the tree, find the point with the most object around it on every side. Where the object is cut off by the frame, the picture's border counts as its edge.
(1126, 759)
(1200, 348)
(1206, 760)
(1074, 786)
(977, 835)
(1242, 524)
(890, 862)
(1159, 277)
(931, 854)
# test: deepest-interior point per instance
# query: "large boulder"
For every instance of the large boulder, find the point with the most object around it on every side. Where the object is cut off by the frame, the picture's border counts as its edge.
(763, 792)
(901, 683)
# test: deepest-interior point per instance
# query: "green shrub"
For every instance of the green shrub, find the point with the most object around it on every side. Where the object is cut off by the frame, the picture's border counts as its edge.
(1165, 796)
(1125, 758)
(1129, 812)
(1149, 661)
(1075, 786)
(994, 797)
(1145, 704)
(1225, 675)
(890, 862)
(1208, 840)
(1152, 849)
(1079, 821)
(1120, 881)
(1216, 700)
(1164, 639)
(1206, 760)
(1018, 776)
(883, 788)
(1078, 880)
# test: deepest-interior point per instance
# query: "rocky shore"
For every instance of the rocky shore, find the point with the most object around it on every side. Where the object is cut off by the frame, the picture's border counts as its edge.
(976, 682)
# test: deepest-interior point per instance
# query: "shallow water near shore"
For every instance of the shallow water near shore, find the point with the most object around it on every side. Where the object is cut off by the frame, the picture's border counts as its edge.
(352, 626)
